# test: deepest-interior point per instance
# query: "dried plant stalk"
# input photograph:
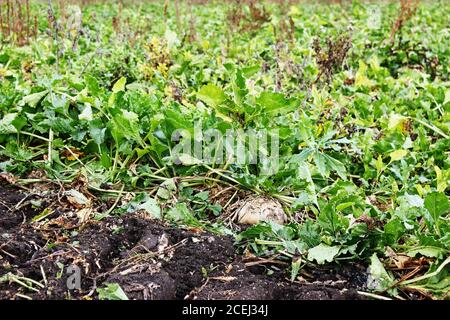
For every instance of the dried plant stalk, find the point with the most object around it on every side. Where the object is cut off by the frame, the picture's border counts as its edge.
(16, 22)
(407, 10)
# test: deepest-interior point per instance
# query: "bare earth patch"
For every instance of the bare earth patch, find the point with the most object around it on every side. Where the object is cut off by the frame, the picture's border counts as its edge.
(147, 258)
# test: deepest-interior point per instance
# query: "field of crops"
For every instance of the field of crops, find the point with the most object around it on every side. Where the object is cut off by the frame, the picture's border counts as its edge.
(224, 149)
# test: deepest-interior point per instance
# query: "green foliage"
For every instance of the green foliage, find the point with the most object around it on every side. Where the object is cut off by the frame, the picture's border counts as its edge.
(112, 291)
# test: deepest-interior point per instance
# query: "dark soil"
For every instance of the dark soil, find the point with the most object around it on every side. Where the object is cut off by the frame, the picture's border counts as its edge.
(148, 259)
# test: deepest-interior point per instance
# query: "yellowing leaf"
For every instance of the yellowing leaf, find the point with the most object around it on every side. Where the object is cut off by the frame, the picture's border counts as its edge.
(212, 95)
(441, 179)
(72, 154)
(361, 79)
(294, 11)
(398, 155)
(379, 164)
(119, 85)
(396, 121)
(374, 63)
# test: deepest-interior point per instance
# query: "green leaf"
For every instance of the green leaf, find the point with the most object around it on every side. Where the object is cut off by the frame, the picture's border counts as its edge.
(176, 121)
(186, 159)
(92, 85)
(97, 131)
(321, 164)
(239, 87)
(436, 203)
(126, 125)
(331, 221)
(335, 165)
(250, 71)
(19, 122)
(256, 231)
(273, 102)
(179, 213)
(166, 189)
(212, 95)
(112, 291)
(202, 195)
(45, 213)
(427, 251)
(309, 232)
(379, 164)
(118, 87)
(105, 159)
(182, 214)
(393, 230)
(323, 253)
(344, 206)
(151, 207)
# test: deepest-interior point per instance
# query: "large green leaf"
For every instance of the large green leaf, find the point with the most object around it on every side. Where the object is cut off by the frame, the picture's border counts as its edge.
(323, 253)
(126, 125)
(325, 164)
(436, 203)
(273, 102)
(212, 95)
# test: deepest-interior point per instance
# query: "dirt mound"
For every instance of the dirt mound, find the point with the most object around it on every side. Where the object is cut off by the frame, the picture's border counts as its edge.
(147, 258)
(13, 211)
(239, 282)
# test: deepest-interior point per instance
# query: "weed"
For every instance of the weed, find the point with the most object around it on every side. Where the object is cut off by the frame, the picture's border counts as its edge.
(17, 24)
(247, 20)
(331, 58)
(406, 11)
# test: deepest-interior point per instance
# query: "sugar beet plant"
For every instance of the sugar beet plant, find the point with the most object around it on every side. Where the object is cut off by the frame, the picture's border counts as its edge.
(362, 117)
